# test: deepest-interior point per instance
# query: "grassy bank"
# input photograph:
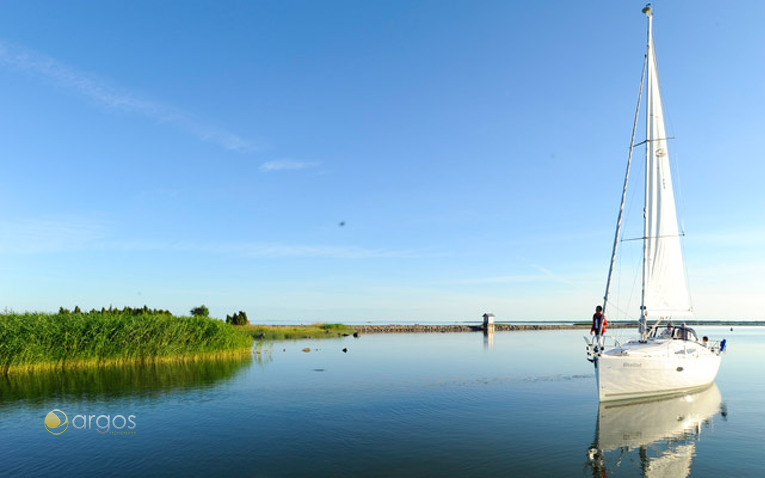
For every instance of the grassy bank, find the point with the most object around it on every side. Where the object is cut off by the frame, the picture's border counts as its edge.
(32, 341)
(287, 332)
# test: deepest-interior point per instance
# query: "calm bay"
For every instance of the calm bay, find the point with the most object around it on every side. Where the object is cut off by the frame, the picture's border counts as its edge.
(459, 404)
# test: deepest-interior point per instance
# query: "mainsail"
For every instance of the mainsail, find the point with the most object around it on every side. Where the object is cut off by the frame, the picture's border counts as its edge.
(665, 289)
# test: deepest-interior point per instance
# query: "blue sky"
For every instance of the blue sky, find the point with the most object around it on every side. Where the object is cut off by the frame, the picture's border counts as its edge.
(184, 153)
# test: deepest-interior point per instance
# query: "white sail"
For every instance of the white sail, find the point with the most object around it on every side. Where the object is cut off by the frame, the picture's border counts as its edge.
(665, 288)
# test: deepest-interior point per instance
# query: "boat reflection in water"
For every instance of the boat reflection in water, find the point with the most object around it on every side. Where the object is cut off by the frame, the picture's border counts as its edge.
(652, 438)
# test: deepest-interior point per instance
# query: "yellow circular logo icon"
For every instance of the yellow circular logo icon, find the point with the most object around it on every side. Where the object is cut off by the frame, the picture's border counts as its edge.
(56, 422)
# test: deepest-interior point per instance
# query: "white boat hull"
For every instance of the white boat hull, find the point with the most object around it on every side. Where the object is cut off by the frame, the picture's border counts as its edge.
(654, 368)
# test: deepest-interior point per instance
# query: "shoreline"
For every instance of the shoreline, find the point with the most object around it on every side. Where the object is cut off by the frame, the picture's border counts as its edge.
(319, 330)
(502, 327)
(420, 328)
(114, 362)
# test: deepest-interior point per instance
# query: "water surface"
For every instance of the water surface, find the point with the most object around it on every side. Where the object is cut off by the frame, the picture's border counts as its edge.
(521, 404)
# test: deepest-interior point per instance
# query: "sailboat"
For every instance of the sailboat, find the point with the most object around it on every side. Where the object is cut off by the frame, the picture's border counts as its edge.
(663, 360)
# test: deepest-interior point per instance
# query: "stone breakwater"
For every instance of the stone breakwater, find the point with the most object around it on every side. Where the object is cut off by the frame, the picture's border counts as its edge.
(417, 328)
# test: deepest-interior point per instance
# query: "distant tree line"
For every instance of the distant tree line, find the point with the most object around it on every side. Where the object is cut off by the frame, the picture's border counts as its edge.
(145, 310)
(239, 318)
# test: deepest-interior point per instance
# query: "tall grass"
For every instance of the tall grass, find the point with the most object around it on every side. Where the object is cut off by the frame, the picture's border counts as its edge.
(39, 340)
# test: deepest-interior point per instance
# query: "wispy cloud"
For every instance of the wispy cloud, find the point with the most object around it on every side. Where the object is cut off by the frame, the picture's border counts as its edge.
(66, 235)
(261, 250)
(508, 279)
(273, 250)
(286, 165)
(42, 236)
(544, 275)
(87, 85)
(552, 275)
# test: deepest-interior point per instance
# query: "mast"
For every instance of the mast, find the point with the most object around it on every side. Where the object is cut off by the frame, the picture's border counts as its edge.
(664, 290)
(650, 61)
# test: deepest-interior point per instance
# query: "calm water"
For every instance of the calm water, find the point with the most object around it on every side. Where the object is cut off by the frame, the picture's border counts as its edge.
(393, 405)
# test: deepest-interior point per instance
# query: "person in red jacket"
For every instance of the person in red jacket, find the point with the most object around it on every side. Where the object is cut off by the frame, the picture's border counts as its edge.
(598, 325)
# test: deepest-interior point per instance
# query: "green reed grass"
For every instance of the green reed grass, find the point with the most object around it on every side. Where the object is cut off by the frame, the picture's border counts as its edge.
(39, 340)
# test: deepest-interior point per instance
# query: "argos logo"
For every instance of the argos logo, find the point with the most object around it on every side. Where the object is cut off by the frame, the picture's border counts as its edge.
(57, 422)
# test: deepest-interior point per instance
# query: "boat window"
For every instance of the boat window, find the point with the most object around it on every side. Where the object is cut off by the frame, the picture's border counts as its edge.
(684, 333)
(666, 331)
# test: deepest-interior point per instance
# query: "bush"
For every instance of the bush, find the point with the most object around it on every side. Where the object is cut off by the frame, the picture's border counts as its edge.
(201, 311)
(239, 318)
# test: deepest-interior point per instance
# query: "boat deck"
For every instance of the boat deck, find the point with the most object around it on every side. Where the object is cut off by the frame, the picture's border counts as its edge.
(656, 348)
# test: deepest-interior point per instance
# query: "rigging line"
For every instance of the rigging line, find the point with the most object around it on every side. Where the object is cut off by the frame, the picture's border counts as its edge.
(623, 312)
(680, 213)
(626, 180)
(685, 273)
(627, 305)
(679, 202)
(652, 140)
(653, 237)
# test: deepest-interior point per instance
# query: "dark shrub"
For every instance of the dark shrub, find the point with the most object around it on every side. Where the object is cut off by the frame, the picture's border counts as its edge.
(239, 318)
(201, 311)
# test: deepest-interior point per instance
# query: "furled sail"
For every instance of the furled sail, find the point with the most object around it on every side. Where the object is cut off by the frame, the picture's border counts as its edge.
(664, 282)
